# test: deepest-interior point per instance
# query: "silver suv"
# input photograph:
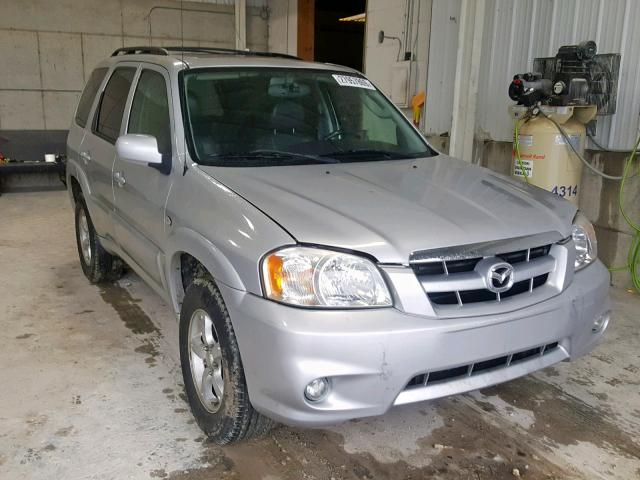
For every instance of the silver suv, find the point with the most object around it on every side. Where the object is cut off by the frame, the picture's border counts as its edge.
(324, 261)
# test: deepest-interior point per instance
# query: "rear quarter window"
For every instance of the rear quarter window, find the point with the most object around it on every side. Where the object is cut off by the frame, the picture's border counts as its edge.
(88, 94)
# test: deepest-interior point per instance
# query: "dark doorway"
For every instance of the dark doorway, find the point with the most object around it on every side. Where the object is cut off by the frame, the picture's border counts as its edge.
(337, 41)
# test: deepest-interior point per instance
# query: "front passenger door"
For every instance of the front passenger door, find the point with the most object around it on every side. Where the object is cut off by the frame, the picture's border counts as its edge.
(141, 190)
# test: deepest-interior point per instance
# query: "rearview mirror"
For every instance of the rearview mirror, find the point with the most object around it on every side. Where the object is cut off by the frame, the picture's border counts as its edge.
(140, 149)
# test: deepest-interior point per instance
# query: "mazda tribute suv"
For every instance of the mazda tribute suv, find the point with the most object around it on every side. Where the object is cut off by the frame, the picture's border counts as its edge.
(324, 261)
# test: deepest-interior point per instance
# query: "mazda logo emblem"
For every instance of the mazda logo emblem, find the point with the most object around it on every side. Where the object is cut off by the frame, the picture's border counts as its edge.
(500, 277)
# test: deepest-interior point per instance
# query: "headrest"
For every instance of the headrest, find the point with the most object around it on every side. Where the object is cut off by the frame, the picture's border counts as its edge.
(287, 115)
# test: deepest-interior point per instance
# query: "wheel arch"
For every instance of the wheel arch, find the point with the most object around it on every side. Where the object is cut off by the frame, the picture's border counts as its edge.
(76, 189)
(187, 252)
(77, 183)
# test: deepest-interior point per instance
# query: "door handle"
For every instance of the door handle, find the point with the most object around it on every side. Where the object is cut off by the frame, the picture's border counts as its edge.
(119, 178)
(85, 156)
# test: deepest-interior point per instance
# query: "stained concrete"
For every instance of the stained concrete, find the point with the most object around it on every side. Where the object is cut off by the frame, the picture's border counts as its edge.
(90, 387)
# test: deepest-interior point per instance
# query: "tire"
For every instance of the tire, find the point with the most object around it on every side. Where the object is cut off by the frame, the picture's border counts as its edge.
(222, 409)
(97, 264)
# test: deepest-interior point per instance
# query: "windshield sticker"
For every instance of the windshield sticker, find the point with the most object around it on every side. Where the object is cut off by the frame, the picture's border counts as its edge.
(348, 81)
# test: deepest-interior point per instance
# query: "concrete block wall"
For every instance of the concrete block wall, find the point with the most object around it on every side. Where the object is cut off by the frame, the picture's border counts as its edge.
(48, 49)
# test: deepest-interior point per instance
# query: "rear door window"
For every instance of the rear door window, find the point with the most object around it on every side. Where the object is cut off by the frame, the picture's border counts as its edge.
(150, 110)
(112, 103)
(88, 95)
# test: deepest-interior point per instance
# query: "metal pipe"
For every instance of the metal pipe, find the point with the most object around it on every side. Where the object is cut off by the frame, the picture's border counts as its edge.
(241, 24)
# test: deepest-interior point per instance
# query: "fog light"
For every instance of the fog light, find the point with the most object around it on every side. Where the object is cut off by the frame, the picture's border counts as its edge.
(317, 389)
(601, 323)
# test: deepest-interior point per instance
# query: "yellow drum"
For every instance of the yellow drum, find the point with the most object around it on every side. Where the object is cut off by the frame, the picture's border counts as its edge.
(545, 158)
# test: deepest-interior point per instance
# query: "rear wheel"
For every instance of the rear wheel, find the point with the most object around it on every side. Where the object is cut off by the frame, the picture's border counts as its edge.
(212, 369)
(98, 265)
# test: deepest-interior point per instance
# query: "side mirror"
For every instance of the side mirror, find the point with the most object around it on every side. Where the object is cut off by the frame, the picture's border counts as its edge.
(140, 149)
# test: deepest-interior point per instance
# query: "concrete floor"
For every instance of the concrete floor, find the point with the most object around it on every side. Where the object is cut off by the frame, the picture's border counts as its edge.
(90, 387)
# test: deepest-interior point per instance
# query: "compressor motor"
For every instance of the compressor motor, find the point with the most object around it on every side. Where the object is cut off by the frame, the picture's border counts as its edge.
(570, 82)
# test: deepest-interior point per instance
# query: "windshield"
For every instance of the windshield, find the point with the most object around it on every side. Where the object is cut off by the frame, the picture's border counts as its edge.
(271, 116)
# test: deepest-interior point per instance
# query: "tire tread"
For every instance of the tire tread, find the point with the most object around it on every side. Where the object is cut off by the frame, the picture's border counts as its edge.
(104, 267)
(243, 421)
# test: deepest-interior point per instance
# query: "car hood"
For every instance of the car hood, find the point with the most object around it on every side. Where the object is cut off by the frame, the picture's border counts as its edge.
(390, 209)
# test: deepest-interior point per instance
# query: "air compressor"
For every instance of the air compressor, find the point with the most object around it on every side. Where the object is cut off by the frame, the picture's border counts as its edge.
(543, 155)
(554, 106)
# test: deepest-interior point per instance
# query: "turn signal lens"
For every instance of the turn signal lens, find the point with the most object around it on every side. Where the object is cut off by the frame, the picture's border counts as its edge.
(315, 277)
(274, 272)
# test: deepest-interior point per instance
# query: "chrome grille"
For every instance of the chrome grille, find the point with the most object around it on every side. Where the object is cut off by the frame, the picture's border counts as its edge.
(456, 281)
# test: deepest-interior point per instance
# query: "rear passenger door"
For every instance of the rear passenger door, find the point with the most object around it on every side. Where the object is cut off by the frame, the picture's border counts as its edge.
(98, 148)
(141, 190)
(81, 121)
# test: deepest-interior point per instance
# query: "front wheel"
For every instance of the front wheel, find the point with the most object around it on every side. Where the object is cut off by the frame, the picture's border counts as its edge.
(212, 369)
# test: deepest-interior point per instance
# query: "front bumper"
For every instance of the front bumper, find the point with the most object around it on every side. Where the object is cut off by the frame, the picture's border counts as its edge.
(371, 355)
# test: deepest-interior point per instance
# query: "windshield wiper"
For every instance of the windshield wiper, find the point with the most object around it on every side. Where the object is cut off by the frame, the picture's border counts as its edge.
(341, 132)
(334, 134)
(270, 154)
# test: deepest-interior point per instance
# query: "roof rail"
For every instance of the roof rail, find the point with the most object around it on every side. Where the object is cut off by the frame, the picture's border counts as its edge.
(213, 50)
(140, 50)
(229, 51)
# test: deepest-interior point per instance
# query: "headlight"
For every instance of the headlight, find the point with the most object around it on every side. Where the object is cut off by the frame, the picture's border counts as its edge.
(584, 238)
(315, 277)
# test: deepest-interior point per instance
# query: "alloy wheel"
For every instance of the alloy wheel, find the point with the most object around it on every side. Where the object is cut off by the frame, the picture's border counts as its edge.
(205, 358)
(85, 237)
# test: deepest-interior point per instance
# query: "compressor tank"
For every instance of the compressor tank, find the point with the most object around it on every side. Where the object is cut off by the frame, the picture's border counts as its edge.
(547, 160)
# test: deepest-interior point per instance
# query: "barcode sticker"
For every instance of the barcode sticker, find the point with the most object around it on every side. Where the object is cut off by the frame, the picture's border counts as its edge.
(358, 82)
